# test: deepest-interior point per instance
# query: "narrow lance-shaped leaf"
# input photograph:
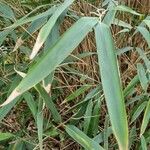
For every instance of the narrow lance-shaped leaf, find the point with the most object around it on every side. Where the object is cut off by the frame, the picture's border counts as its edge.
(45, 96)
(138, 111)
(82, 139)
(143, 143)
(27, 19)
(5, 136)
(87, 117)
(6, 11)
(145, 33)
(127, 9)
(131, 86)
(146, 118)
(46, 29)
(54, 56)
(49, 103)
(111, 84)
(142, 76)
(40, 129)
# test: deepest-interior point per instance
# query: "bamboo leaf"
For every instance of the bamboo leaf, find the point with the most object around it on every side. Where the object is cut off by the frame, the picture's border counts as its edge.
(142, 76)
(46, 29)
(49, 103)
(143, 143)
(54, 56)
(6, 11)
(27, 19)
(40, 128)
(138, 111)
(146, 118)
(5, 136)
(78, 92)
(87, 117)
(127, 9)
(31, 103)
(111, 84)
(131, 86)
(94, 125)
(145, 33)
(82, 138)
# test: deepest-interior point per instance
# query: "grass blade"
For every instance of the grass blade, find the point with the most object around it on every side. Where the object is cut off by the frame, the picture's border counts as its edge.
(111, 84)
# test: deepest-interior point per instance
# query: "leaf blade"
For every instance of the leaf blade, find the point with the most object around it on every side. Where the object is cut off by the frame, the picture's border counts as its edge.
(111, 84)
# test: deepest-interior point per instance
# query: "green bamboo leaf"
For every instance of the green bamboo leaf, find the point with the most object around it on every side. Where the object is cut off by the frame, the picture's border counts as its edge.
(111, 84)
(138, 111)
(144, 57)
(123, 50)
(24, 20)
(122, 23)
(106, 132)
(5, 136)
(27, 19)
(94, 125)
(143, 143)
(35, 25)
(49, 103)
(87, 117)
(54, 56)
(145, 33)
(5, 110)
(110, 16)
(146, 118)
(100, 137)
(127, 9)
(31, 103)
(79, 114)
(48, 100)
(76, 93)
(131, 85)
(19, 145)
(142, 76)
(132, 137)
(94, 92)
(40, 129)
(147, 22)
(6, 11)
(4, 34)
(82, 138)
(46, 29)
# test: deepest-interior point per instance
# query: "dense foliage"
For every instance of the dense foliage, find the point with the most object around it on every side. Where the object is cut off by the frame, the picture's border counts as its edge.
(74, 75)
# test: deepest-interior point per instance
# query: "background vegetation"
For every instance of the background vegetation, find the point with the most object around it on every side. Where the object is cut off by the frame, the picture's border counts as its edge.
(74, 74)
